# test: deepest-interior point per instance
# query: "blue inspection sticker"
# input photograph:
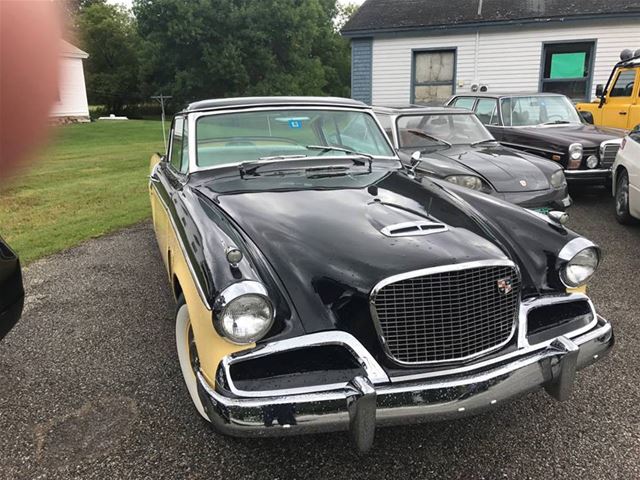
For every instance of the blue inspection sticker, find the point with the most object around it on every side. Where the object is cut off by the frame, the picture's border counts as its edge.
(295, 124)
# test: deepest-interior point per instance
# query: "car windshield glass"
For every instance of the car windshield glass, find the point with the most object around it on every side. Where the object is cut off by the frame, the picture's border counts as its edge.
(419, 131)
(538, 110)
(257, 135)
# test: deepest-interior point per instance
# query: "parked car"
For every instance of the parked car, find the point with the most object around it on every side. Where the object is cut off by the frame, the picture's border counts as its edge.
(322, 286)
(452, 144)
(618, 101)
(11, 289)
(548, 125)
(626, 178)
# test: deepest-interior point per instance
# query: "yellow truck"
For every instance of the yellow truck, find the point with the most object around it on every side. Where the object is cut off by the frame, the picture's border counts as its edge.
(618, 102)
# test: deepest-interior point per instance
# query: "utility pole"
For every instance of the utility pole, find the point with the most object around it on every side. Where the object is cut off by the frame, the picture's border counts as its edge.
(161, 98)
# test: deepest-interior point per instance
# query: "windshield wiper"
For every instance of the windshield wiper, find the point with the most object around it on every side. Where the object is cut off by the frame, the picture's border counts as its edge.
(557, 122)
(421, 133)
(330, 148)
(486, 140)
(251, 167)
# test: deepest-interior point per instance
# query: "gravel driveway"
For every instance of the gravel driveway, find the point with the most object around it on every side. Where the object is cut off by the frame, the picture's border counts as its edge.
(90, 387)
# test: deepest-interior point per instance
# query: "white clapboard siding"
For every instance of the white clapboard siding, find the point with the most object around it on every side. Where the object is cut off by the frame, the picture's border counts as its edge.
(72, 93)
(509, 58)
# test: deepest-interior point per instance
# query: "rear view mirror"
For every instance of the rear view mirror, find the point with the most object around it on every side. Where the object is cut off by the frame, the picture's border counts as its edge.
(599, 90)
(587, 117)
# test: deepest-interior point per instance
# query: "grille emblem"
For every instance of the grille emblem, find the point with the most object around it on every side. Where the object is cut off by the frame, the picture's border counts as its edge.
(504, 286)
(523, 183)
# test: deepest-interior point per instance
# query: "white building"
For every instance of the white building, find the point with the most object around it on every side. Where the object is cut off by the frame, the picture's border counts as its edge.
(423, 51)
(72, 103)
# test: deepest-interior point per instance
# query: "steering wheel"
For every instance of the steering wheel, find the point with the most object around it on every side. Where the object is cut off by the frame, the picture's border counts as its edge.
(549, 117)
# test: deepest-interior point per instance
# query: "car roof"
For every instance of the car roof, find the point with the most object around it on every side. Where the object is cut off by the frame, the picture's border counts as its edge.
(505, 95)
(247, 102)
(418, 109)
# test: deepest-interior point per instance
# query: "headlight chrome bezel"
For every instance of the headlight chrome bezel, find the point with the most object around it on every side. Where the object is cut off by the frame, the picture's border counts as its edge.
(570, 252)
(247, 289)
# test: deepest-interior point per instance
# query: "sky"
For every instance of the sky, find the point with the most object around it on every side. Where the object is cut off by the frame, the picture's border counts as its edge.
(127, 3)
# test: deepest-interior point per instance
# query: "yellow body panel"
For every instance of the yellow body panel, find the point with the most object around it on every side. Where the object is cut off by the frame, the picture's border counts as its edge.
(211, 347)
(582, 289)
(617, 112)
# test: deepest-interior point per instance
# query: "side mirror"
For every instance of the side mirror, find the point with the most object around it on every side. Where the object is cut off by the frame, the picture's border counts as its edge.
(416, 156)
(599, 90)
(587, 117)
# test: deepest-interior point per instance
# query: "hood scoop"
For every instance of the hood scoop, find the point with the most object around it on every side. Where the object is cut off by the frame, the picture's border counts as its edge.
(409, 229)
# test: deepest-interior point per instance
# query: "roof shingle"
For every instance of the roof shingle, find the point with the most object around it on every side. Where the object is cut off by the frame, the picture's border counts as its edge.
(406, 15)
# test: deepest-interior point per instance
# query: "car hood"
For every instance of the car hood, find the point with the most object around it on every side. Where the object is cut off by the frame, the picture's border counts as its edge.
(505, 169)
(328, 251)
(589, 135)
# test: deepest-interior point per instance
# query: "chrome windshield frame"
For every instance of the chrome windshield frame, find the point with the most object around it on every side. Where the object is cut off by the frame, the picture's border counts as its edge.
(193, 118)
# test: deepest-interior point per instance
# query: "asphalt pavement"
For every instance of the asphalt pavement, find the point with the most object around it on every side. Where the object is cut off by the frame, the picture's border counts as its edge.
(90, 387)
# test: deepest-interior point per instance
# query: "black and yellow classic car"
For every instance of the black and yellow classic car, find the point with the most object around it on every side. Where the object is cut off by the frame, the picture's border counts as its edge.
(321, 285)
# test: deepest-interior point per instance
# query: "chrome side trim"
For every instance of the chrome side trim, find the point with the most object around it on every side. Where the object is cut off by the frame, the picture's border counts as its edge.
(570, 173)
(418, 228)
(199, 288)
(375, 373)
(431, 271)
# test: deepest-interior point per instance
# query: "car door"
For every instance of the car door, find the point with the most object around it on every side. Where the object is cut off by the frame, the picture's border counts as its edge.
(167, 178)
(631, 154)
(616, 110)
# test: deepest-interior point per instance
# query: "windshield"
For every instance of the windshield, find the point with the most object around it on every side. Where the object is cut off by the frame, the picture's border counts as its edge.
(538, 110)
(418, 131)
(257, 135)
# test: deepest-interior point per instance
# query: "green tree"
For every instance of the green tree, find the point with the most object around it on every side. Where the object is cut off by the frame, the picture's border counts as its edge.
(221, 48)
(108, 33)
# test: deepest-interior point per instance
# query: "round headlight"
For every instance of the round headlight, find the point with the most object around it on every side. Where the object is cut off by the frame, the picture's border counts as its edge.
(575, 151)
(468, 181)
(592, 161)
(581, 267)
(558, 179)
(243, 312)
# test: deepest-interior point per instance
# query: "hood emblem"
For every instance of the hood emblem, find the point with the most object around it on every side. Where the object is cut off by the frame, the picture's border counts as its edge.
(523, 183)
(505, 285)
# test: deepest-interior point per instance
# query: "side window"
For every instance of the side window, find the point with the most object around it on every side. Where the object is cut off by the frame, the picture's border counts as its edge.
(464, 102)
(487, 111)
(624, 84)
(179, 146)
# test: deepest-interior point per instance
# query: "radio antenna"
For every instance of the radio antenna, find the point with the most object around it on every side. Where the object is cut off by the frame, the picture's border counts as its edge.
(161, 98)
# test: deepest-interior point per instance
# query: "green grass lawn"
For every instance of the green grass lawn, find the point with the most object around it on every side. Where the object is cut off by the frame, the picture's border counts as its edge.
(92, 179)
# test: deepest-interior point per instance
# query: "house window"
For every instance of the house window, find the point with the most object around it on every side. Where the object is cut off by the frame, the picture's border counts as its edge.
(433, 75)
(567, 69)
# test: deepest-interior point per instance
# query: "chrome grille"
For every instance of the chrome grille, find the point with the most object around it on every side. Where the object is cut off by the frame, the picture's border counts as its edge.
(608, 154)
(436, 316)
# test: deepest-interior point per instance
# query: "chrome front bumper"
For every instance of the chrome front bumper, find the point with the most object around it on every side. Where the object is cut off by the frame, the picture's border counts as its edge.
(366, 402)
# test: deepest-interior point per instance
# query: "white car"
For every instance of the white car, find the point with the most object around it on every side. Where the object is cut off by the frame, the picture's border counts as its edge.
(626, 178)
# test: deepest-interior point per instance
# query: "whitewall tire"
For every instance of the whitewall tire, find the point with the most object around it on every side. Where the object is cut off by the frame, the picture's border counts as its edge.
(183, 344)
